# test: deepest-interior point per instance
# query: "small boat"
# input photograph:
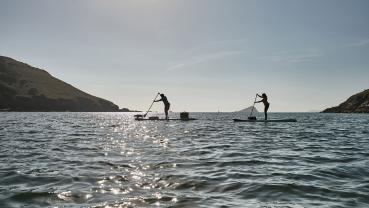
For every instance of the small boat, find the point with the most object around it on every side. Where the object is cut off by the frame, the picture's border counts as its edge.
(266, 121)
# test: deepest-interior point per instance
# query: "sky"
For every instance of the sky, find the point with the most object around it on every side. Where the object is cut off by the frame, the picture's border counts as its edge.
(205, 55)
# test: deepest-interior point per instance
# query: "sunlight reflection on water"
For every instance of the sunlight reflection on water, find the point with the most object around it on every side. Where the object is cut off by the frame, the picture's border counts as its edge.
(110, 160)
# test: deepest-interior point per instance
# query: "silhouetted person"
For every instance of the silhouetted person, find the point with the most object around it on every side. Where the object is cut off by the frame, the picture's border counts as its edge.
(166, 104)
(266, 104)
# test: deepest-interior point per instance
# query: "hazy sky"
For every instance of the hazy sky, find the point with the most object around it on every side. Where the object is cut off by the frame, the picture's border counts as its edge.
(206, 55)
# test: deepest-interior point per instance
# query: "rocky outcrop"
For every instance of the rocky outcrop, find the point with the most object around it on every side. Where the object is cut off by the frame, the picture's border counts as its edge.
(25, 88)
(358, 103)
(248, 110)
(127, 110)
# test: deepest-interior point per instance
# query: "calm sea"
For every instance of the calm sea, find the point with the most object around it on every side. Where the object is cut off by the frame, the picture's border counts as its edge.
(110, 160)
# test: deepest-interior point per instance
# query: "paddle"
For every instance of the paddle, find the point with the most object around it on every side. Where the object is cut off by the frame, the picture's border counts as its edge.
(151, 105)
(252, 110)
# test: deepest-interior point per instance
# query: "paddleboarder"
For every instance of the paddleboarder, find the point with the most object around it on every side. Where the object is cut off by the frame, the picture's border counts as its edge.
(166, 104)
(264, 99)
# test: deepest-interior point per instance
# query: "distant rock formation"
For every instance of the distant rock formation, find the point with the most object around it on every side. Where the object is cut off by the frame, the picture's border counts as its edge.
(124, 110)
(248, 110)
(314, 111)
(358, 103)
(25, 88)
(127, 110)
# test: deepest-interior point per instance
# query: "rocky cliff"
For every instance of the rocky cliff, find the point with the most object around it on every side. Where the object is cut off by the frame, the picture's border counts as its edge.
(358, 103)
(25, 88)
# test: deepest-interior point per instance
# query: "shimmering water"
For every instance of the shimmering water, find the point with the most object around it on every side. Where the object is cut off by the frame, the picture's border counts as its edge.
(109, 160)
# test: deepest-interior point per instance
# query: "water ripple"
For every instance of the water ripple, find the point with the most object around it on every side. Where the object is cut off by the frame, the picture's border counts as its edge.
(109, 160)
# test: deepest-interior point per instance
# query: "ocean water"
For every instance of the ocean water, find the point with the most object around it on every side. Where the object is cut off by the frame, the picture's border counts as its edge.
(110, 160)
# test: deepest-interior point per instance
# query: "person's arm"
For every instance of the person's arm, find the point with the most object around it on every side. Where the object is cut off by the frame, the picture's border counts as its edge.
(262, 100)
(259, 96)
(158, 100)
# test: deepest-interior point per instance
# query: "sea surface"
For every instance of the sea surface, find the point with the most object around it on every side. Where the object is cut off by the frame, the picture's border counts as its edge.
(110, 160)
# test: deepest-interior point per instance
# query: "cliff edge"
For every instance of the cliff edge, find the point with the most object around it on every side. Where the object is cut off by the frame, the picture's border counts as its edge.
(26, 88)
(358, 103)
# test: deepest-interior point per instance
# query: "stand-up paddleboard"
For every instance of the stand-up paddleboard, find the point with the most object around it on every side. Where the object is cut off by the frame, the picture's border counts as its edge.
(163, 119)
(184, 116)
(272, 120)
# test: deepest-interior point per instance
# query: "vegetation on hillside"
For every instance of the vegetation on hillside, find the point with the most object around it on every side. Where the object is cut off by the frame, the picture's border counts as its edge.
(25, 88)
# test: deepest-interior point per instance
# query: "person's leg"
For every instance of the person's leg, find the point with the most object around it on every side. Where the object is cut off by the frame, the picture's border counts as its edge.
(266, 111)
(166, 109)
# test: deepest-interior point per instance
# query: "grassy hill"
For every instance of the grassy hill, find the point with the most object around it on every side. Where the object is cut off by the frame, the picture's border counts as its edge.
(26, 88)
(358, 103)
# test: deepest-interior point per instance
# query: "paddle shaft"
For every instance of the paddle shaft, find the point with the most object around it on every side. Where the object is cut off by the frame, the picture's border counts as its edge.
(151, 105)
(253, 106)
